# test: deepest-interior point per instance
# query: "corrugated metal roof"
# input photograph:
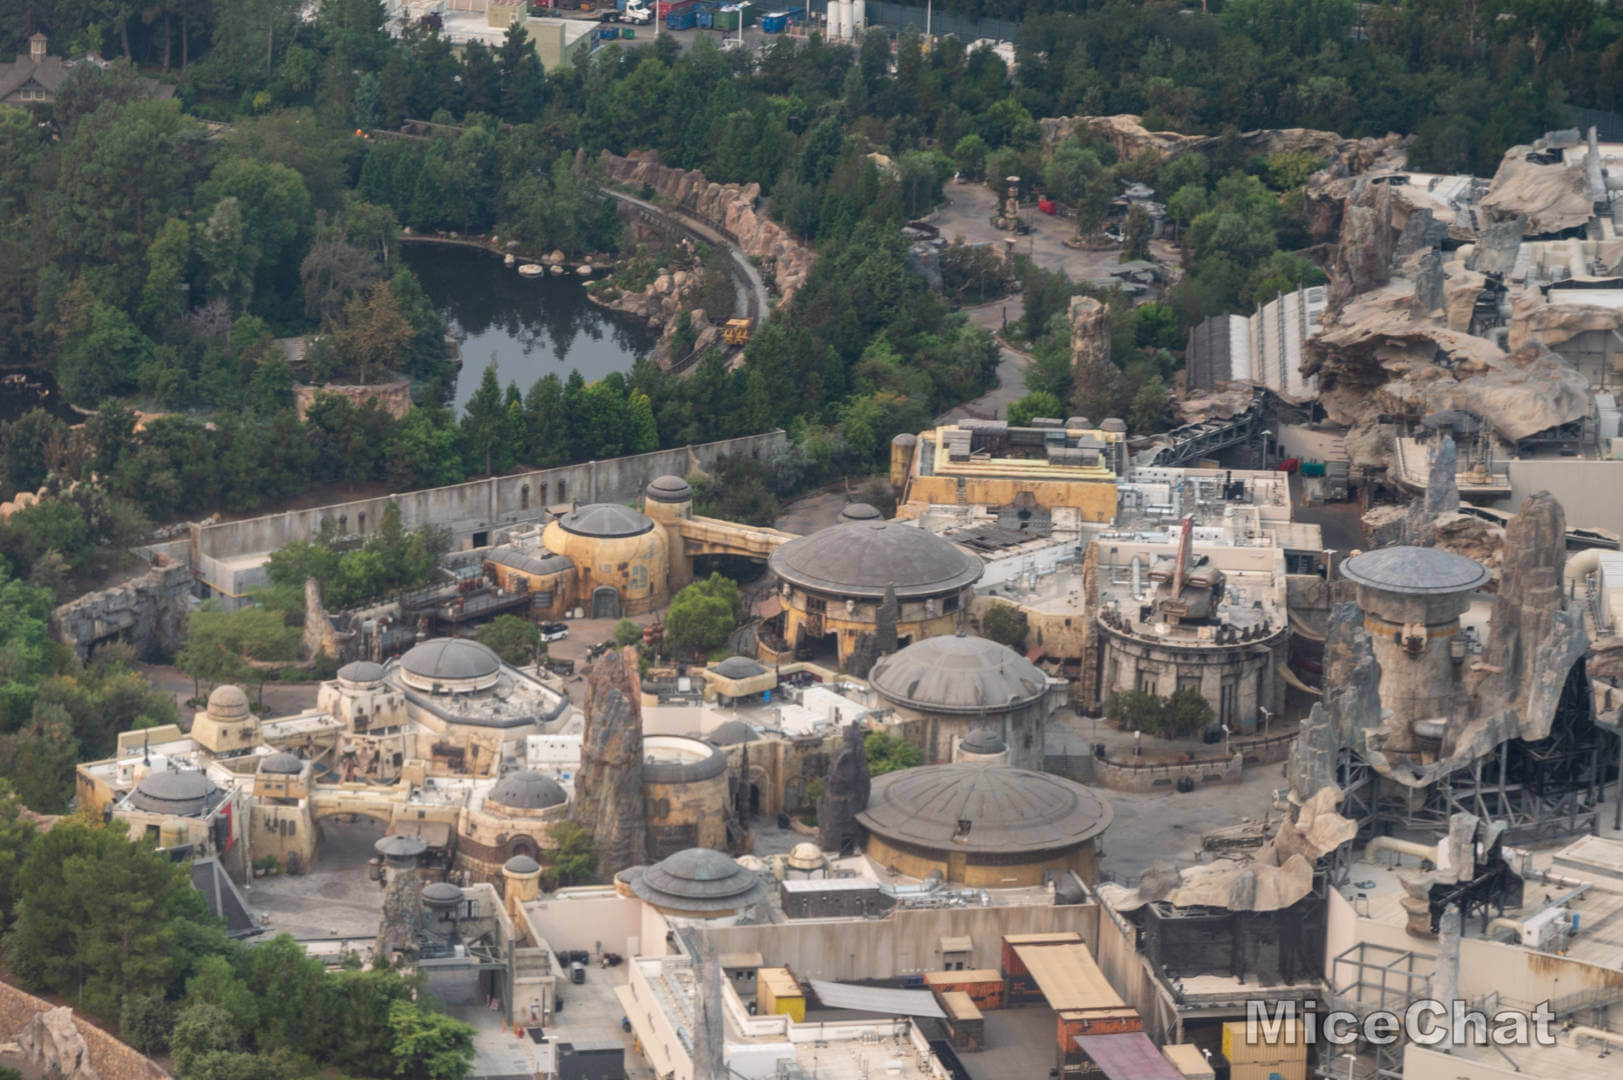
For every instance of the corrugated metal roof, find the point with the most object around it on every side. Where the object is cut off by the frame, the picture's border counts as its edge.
(877, 999)
(1068, 977)
(1127, 1057)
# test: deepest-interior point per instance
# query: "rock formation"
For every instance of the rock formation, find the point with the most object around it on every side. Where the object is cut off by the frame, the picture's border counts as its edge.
(1090, 333)
(1442, 490)
(1127, 134)
(51, 1043)
(1553, 195)
(393, 396)
(148, 612)
(1536, 636)
(730, 207)
(845, 794)
(608, 788)
(319, 637)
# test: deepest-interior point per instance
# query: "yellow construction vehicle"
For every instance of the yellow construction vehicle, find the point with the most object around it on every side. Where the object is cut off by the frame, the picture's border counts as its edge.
(736, 332)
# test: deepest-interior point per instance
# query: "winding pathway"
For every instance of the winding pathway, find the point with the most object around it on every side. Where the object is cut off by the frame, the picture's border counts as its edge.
(752, 301)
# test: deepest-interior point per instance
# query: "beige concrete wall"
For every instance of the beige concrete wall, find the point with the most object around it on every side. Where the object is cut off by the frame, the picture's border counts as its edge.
(111, 1059)
(578, 919)
(907, 942)
(1094, 500)
(686, 815)
(1419, 1063)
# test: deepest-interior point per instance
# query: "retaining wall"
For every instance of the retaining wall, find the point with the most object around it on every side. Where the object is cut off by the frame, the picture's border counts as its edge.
(1144, 778)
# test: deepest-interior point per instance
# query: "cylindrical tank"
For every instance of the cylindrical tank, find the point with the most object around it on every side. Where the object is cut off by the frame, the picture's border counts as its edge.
(901, 459)
(859, 17)
(1412, 599)
(842, 19)
(521, 880)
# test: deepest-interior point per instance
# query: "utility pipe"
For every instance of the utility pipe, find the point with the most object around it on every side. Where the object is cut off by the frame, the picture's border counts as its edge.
(1405, 847)
(1598, 1034)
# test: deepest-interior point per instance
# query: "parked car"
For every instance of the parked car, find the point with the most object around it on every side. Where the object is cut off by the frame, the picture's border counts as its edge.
(554, 631)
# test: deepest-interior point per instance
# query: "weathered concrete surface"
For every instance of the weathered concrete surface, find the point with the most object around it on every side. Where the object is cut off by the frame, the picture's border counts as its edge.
(148, 612)
(608, 787)
(845, 794)
(730, 207)
(104, 1057)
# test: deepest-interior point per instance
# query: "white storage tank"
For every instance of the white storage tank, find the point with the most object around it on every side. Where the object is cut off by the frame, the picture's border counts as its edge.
(859, 16)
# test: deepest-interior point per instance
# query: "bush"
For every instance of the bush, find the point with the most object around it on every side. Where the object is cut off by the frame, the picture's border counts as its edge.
(515, 640)
(1186, 713)
(888, 753)
(1135, 710)
(143, 1022)
(1006, 625)
(627, 632)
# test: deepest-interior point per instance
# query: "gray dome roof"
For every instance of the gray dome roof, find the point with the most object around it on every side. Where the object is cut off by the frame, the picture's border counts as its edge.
(1113, 423)
(906, 438)
(440, 894)
(860, 511)
(527, 790)
(361, 671)
(860, 558)
(738, 667)
(606, 520)
(165, 792)
(1008, 810)
(1424, 571)
(282, 762)
(228, 702)
(697, 879)
(958, 674)
(731, 733)
(669, 489)
(983, 741)
(399, 846)
(1076, 422)
(521, 864)
(450, 658)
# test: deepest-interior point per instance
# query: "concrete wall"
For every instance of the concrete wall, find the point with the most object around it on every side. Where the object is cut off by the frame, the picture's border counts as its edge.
(112, 1059)
(1574, 483)
(230, 556)
(908, 942)
(1145, 778)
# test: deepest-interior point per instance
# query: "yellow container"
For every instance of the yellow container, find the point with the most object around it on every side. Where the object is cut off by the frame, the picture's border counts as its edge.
(1284, 1070)
(778, 994)
(1241, 1047)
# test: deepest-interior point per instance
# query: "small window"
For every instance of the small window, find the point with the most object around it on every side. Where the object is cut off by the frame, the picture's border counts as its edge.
(524, 497)
(360, 522)
(950, 603)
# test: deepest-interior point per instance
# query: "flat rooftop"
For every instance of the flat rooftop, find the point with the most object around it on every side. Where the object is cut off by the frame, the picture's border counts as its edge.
(1563, 1061)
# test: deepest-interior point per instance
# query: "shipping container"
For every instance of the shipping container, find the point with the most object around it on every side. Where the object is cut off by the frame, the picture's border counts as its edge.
(1243, 1047)
(665, 8)
(627, 32)
(1011, 962)
(777, 993)
(775, 22)
(608, 33)
(1275, 1070)
(1312, 468)
(985, 988)
(963, 1020)
(1189, 1061)
(726, 18)
(706, 18)
(682, 20)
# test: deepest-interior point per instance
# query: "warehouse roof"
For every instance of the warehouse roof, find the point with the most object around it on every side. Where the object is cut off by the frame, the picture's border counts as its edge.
(531, 562)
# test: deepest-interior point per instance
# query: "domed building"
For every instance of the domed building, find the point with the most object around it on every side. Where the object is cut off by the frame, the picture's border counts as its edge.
(362, 699)
(860, 511)
(621, 558)
(738, 677)
(450, 666)
(685, 792)
(944, 688)
(696, 883)
(176, 806)
(985, 826)
(279, 820)
(983, 746)
(512, 817)
(226, 725)
(833, 582)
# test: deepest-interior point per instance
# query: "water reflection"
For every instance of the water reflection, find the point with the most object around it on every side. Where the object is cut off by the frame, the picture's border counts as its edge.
(529, 326)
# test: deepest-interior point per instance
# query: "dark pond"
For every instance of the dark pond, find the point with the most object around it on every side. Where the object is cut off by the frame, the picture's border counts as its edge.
(528, 326)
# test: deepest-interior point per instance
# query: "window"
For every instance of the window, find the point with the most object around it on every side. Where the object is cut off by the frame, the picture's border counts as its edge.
(563, 490)
(816, 605)
(949, 603)
(1146, 680)
(1229, 699)
(1189, 682)
(524, 497)
(360, 522)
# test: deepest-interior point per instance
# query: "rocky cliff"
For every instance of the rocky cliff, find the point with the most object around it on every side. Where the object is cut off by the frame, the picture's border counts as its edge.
(1127, 134)
(732, 208)
(608, 787)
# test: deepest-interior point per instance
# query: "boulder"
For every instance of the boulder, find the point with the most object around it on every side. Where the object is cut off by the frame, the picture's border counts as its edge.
(51, 1043)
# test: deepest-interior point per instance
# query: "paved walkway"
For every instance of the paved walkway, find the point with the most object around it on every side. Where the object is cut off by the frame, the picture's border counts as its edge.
(752, 300)
(1011, 369)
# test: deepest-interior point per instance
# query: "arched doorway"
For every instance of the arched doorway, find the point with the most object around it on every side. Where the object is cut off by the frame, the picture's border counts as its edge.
(605, 602)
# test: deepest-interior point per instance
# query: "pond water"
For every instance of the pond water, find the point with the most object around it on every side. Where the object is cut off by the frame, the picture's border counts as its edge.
(527, 326)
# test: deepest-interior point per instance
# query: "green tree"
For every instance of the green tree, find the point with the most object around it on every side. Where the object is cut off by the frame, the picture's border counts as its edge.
(888, 753)
(1036, 403)
(102, 918)
(1186, 713)
(1135, 233)
(627, 632)
(703, 614)
(1147, 413)
(1006, 625)
(571, 859)
(429, 1046)
(482, 421)
(17, 835)
(1136, 710)
(220, 646)
(515, 640)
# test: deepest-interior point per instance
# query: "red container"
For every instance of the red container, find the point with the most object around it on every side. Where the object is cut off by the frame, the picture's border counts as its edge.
(1047, 206)
(664, 8)
(1290, 465)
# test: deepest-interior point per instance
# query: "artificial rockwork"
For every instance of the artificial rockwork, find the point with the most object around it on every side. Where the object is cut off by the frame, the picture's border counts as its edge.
(147, 612)
(608, 787)
(731, 208)
(845, 794)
